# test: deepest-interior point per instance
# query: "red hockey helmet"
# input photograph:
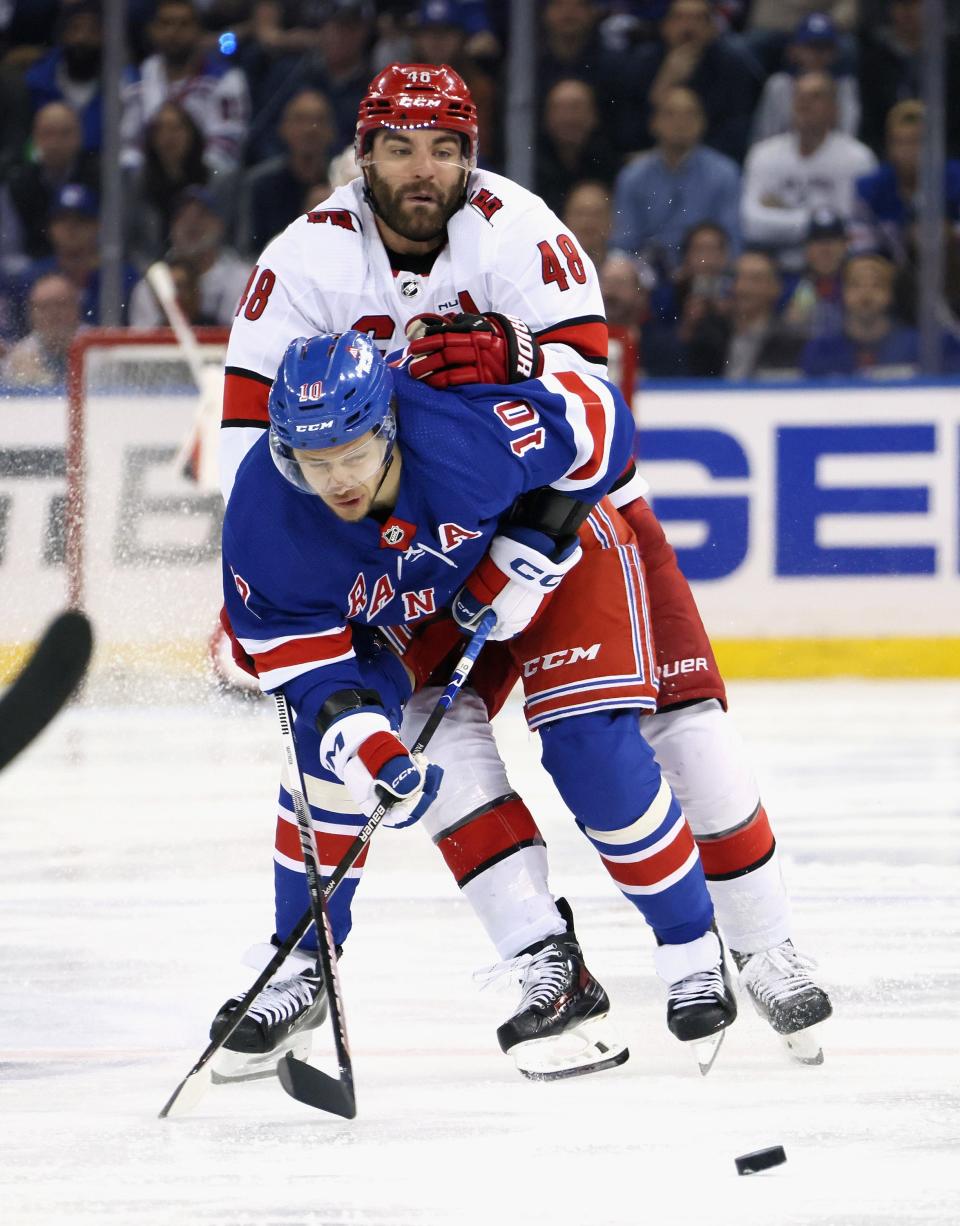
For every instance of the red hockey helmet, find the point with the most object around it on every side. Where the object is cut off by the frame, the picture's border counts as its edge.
(406, 97)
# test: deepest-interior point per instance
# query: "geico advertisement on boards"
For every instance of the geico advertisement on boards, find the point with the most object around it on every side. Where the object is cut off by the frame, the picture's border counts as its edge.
(811, 512)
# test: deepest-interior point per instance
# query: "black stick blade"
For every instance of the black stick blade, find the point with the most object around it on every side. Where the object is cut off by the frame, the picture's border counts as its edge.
(47, 680)
(313, 1088)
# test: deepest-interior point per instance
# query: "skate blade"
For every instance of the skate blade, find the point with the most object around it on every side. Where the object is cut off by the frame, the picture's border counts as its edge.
(706, 1050)
(228, 1067)
(587, 1048)
(804, 1046)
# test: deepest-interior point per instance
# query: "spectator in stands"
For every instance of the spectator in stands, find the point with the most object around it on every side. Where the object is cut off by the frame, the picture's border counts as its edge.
(814, 300)
(589, 215)
(814, 166)
(573, 143)
(660, 195)
(70, 73)
(690, 52)
(209, 87)
(197, 240)
(742, 339)
(339, 69)
(779, 18)
(444, 32)
(39, 360)
(173, 160)
(626, 295)
(57, 158)
(869, 341)
(571, 47)
(272, 193)
(186, 283)
(891, 68)
(887, 199)
(75, 238)
(814, 47)
(704, 271)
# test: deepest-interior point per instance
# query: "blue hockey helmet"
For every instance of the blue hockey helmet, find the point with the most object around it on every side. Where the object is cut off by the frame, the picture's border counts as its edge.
(330, 390)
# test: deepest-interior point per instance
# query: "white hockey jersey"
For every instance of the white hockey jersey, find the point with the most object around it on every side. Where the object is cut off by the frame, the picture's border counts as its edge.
(329, 271)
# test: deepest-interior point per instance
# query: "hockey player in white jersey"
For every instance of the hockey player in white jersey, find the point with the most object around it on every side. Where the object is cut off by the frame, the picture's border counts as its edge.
(423, 232)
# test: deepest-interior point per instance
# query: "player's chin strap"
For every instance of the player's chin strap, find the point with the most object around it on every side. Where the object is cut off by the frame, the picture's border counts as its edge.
(297, 1080)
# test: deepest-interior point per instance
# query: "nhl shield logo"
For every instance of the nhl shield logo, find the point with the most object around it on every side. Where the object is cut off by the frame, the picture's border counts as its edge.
(397, 534)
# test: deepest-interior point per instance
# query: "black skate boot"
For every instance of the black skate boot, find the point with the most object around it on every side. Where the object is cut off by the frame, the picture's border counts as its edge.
(560, 1028)
(778, 982)
(700, 1001)
(280, 1020)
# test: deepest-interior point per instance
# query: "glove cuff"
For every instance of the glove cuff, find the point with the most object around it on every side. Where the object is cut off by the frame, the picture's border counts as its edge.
(345, 735)
(378, 749)
(524, 356)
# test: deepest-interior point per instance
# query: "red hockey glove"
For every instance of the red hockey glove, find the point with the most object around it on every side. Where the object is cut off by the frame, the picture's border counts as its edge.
(488, 348)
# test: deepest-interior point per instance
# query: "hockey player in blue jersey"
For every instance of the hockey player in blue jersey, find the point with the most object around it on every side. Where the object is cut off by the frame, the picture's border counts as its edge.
(377, 502)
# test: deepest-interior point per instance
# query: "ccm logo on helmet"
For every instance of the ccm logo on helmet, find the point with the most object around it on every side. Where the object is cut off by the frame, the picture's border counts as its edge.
(317, 425)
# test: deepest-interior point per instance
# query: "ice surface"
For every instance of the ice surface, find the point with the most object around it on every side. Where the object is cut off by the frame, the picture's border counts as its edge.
(134, 870)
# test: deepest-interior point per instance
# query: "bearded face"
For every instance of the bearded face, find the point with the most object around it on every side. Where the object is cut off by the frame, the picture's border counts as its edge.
(419, 212)
(416, 181)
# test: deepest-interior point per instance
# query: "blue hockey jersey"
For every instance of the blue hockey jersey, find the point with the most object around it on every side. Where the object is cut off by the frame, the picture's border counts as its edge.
(304, 589)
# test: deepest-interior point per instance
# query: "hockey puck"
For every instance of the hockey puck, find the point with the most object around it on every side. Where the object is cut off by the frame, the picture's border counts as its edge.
(760, 1160)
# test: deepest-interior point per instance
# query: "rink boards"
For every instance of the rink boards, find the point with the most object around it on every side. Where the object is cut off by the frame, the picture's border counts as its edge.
(819, 526)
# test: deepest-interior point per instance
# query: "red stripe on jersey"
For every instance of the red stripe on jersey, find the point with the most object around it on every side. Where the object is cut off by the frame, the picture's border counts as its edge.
(596, 421)
(332, 847)
(316, 650)
(489, 834)
(654, 868)
(245, 399)
(589, 339)
(740, 851)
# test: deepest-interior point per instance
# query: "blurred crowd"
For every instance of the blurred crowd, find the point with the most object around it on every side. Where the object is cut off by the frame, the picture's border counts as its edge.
(745, 174)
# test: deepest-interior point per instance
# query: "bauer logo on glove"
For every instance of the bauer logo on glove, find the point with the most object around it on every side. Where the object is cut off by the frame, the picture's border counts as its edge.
(491, 348)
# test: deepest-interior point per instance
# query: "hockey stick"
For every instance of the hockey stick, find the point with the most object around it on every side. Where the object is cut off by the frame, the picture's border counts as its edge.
(45, 683)
(324, 1092)
(201, 434)
(191, 1088)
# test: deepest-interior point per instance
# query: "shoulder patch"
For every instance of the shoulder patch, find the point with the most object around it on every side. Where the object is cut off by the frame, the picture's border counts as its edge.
(485, 202)
(335, 217)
